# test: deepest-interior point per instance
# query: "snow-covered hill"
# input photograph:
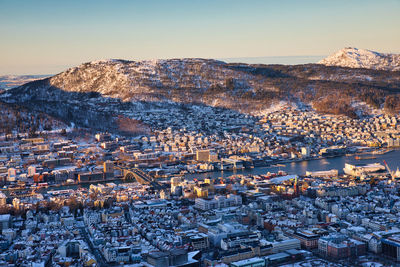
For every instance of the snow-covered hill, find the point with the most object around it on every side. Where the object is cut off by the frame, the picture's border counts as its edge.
(362, 58)
(148, 79)
(96, 94)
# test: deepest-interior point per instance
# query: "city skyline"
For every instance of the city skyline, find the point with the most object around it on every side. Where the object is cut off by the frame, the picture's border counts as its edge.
(199, 133)
(45, 37)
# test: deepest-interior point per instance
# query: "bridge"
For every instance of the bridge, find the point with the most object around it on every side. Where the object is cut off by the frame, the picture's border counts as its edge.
(139, 175)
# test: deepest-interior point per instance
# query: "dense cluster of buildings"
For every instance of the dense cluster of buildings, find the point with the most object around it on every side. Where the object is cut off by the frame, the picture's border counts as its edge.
(106, 200)
(238, 141)
(233, 222)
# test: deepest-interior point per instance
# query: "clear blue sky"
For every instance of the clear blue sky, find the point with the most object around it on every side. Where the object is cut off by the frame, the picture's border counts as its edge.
(40, 37)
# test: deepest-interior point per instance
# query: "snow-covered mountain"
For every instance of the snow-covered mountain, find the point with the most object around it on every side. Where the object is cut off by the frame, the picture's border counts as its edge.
(96, 94)
(362, 58)
(144, 80)
(184, 80)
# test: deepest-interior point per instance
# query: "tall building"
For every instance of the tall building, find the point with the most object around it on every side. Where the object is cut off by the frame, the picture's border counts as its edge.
(308, 239)
(103, 137)
(339, 246)
(12, 174)
(218, 202)
(296, 187)
(16, 203)
(31, 170)
(391, 247)
(175, 181)
(108, 166)
(213, 157)
(305, 152)
(5, 221)
(201, 191)
(176, 188)
(202, 155)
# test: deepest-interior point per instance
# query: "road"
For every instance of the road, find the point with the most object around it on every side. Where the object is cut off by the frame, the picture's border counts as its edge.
(96, 252)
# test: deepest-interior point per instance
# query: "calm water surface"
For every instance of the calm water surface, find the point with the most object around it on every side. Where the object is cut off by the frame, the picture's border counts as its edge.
(300, 167)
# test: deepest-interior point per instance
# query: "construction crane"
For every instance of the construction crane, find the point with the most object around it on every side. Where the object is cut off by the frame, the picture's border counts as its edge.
(388, 169)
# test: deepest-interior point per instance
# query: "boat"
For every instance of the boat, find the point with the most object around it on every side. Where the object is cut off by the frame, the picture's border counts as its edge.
(366, 157)
(278, 165)
(382, 151)
(45, 185)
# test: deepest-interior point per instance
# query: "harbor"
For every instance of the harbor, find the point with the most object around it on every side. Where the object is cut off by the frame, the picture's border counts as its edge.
(301, 167)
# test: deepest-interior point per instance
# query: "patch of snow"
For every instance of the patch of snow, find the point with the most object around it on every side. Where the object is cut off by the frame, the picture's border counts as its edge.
(363, 58)
(272, 108)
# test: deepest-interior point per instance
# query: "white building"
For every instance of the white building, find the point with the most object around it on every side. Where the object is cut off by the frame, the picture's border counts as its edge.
(305, 152)
(218, 202)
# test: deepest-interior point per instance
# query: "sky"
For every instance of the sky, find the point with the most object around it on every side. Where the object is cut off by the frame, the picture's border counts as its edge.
(48, 36)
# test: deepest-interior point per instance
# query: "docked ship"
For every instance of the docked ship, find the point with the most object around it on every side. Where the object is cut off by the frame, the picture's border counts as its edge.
(396, 174)
(366, 169)
(365, 157)
(382, 151)
(327, 174)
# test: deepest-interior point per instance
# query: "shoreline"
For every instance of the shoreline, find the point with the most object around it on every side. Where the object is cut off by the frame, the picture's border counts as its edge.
(378, 158)
(290, 164)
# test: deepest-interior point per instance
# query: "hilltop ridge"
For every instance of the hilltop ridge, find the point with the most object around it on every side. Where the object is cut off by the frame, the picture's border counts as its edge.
(362, 58)
(102, 90)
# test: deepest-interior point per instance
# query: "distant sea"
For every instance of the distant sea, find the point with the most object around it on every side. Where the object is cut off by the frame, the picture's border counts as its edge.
(285, 60)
